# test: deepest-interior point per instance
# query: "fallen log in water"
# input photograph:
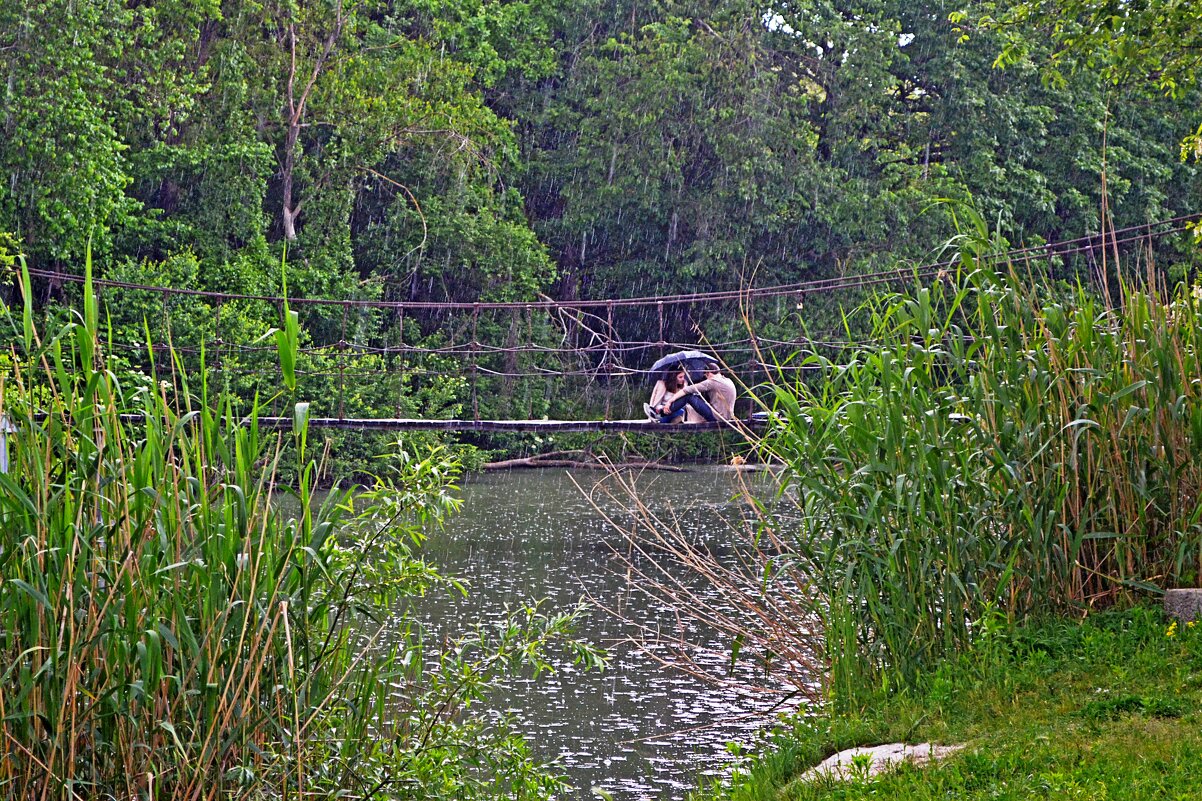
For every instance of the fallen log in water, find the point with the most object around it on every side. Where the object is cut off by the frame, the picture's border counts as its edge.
(587, 462)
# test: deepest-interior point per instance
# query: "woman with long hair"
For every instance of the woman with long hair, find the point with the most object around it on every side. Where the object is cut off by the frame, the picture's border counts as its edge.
(672, 382)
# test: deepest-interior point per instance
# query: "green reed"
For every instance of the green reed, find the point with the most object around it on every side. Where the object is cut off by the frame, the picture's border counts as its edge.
(166, 631)
(1004, 450)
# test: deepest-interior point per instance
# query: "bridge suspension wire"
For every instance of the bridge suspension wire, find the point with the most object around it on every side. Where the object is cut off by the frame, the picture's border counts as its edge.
(1067, 247)
(473, 349)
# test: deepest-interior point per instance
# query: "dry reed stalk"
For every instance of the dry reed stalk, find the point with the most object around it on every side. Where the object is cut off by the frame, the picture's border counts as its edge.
(744, 598)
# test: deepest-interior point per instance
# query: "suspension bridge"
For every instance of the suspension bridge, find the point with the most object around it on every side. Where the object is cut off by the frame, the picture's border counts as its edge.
(520, 355)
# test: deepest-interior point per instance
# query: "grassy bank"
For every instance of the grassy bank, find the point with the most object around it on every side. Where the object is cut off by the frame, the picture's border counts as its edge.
(1003, 451)
(1110, 708)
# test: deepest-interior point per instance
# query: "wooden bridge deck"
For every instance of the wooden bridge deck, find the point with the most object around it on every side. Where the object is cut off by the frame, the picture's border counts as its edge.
(538, 426)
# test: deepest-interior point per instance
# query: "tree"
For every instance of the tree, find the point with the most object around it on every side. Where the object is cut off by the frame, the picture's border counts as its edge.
(1152, 44)
(309, 34)
(77, 78)
(671, 148)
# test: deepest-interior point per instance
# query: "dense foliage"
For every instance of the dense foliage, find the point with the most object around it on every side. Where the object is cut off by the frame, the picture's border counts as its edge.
(486, 150)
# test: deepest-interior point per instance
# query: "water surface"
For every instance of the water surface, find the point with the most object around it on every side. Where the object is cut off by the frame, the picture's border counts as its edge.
(638, 730)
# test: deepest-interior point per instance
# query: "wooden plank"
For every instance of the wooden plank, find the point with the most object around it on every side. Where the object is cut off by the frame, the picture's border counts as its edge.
(542, 426)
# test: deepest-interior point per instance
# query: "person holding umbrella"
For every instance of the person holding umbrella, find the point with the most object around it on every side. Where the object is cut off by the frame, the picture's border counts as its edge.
(673, 372)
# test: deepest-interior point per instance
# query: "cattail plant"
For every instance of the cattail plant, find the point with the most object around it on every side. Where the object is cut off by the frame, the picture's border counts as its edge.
(1006, 448)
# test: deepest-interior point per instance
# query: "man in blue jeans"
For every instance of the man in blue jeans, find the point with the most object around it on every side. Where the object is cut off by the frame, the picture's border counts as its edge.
(673, 411)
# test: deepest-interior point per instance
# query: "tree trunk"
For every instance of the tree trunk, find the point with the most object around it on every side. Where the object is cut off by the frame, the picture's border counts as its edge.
(294, 114)
(289, 210)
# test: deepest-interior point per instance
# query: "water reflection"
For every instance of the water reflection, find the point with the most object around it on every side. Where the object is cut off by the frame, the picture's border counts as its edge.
(638, 731)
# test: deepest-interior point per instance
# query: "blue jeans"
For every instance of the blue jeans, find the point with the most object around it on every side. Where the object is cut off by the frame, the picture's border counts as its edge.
(677, 409)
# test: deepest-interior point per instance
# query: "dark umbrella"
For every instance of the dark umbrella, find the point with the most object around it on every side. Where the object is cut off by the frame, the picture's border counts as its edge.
(693, 361)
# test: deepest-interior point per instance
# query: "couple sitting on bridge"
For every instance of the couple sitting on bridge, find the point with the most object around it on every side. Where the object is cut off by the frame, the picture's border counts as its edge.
(675, 400)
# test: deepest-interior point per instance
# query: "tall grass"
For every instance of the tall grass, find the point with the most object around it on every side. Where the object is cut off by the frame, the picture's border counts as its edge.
(166, 631)
(1005, 450)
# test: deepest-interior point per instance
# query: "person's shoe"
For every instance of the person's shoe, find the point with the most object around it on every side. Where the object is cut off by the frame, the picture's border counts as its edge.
(651, 413)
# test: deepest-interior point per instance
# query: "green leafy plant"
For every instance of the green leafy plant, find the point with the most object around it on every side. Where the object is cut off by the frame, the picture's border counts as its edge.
(168, 630)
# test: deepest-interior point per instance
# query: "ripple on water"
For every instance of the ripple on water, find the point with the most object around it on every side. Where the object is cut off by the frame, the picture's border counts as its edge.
(636, 731)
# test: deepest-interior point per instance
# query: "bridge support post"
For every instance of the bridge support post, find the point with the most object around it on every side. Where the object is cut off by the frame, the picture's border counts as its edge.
(608, 359)
(475, 352)
(342, 345)
(6, 428)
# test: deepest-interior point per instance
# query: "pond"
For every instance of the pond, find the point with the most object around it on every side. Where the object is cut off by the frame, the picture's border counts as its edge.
(638, 730)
